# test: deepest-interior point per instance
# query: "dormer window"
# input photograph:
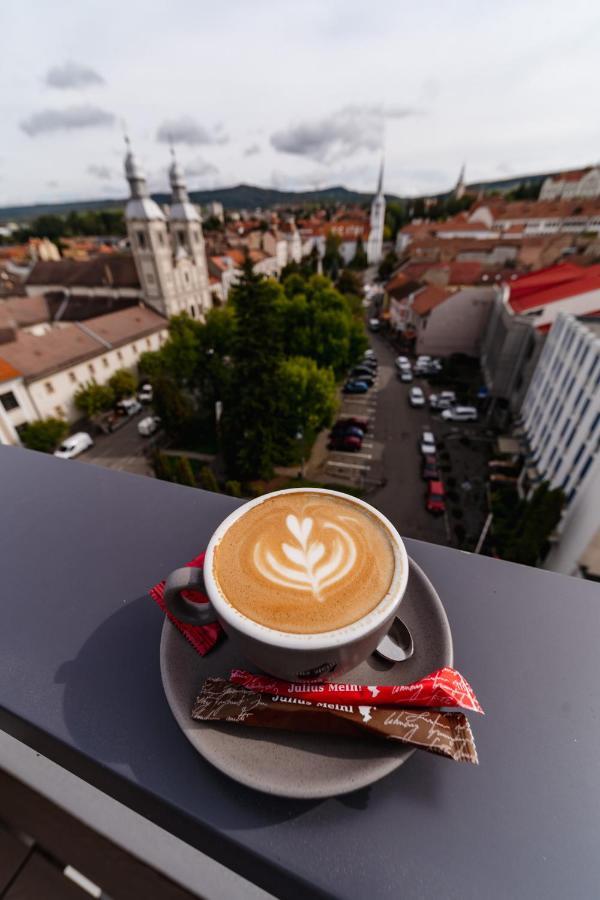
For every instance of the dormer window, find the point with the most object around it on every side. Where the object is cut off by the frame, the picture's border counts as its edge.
(141, 239)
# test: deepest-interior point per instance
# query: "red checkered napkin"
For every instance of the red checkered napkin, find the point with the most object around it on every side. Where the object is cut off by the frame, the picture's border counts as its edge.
(202, 637)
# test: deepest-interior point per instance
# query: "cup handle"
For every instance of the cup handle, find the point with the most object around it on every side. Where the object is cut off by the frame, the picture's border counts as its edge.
(188, 578)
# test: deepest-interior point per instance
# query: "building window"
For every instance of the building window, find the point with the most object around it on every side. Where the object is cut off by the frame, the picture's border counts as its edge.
(141, 239)
(134, 348)
(59, 412)
(9, 401)
(193, 310)
(161, 239)
(150, 278)
(49, 387)
(91, 369)
(119, 356)
(181, 238)
(105, 362)
(148, 343)
(186, 276)
(73, 377)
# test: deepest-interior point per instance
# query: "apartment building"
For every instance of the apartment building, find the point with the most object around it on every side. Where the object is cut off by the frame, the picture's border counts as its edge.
(561, 420)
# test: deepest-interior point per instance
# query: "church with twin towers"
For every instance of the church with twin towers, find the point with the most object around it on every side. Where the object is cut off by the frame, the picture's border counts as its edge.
(168, 249)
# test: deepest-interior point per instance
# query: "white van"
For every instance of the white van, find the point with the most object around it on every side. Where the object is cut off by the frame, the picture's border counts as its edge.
(460, 414)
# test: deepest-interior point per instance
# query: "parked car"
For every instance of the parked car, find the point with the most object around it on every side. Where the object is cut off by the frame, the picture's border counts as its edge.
(423, 360)
(402, 362)
(355, 387)
(345, 442)
(145, 393)
(416, 397)
(374, 324)
(370, 354)
(361, 422)
(359, 371)
(406, 376)
(427, 443)
(435, 502)
(460, 414)
(74, 445)
(148, 425)
(352, 430)
(430, 471)
(129, 406)
(442, 401)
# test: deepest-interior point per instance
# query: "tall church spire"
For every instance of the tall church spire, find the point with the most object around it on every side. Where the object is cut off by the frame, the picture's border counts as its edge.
(375, 240)
(140, 205)
(459, 190)
(182, 208)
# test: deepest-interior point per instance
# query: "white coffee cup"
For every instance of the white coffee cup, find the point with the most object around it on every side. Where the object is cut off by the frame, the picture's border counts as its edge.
(291, 656)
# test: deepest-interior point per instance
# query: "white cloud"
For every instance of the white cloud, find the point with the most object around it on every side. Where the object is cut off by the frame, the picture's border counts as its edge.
(199, 167)
(252, 150)
(185, 130)
(341, 134)
(75, 117)
(98, 171)
(72, 75)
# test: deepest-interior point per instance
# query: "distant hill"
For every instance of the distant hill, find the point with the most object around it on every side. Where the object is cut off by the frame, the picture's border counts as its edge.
(249, 196)
(242, 196)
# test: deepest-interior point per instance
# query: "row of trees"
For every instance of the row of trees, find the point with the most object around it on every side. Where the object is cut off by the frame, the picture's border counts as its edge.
(101, 222)
(521, 528)
(270, 359)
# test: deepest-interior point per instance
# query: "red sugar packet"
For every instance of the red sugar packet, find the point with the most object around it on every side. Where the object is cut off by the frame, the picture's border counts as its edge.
(446, 687)
(202, 637)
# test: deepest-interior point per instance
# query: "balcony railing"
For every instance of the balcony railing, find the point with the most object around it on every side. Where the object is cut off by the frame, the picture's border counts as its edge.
(80, 684)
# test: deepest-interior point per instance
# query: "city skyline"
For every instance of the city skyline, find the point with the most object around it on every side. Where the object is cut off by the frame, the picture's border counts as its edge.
(292, 101)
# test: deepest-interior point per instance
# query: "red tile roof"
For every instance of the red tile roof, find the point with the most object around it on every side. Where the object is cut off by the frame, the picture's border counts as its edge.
(553, 283)
(430, 297)
(7, 371)
(116, 270)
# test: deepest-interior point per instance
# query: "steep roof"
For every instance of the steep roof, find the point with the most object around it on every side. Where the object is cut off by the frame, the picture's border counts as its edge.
(116, 270)
(26, 310)
(540, 209)
(430, 297)
(551, 284)
(67, 345)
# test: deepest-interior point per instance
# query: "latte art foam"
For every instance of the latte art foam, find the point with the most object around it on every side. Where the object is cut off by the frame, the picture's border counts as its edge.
(305, 563)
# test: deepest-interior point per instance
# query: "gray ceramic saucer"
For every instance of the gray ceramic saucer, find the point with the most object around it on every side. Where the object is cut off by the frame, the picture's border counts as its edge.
(307, 766)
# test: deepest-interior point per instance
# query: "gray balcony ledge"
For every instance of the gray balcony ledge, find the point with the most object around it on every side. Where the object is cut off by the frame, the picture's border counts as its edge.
(80, 684)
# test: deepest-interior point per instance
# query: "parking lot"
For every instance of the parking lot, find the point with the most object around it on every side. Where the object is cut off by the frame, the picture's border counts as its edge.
(123, 450)
(388, 465)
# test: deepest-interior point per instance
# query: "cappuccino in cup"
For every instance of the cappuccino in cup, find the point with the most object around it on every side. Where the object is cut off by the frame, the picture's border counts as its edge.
(305, 563)
(306, 582)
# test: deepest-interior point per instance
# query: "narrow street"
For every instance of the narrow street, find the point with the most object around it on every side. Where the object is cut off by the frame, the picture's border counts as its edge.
(123, 450)
(398, 427)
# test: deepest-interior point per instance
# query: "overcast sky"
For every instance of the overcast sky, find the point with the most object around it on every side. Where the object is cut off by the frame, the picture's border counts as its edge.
(293, 94)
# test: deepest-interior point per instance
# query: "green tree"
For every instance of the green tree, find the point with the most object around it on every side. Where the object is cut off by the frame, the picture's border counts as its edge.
(161, 465)
(249, 422)
(387, 265)
(331, 258)
(521, 528)
(233, 488)
(306, 397)
(348, 283)
(184, 472)
(172, 404)
(123, 383)
(44, 435)
(208, 482)
(94, 398)
(359, 261)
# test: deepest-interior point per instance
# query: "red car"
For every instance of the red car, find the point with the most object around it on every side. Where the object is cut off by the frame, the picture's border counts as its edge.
(346, 442)
(358, 421)
(435, 497)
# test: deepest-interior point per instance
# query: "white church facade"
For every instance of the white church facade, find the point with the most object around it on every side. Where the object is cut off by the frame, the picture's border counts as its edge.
(168, 252)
